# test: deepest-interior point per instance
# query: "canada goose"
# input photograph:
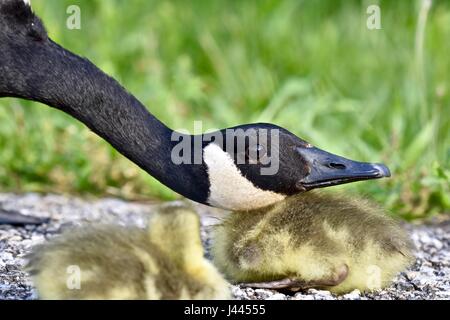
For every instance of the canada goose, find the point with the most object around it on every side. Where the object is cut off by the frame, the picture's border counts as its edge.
(312, 240)
(266, 163)
(163, 262)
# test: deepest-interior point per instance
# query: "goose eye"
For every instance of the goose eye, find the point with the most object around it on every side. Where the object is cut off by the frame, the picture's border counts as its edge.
(255, 153)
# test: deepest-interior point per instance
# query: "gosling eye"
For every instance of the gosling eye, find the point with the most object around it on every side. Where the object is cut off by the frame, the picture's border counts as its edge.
(255, 153)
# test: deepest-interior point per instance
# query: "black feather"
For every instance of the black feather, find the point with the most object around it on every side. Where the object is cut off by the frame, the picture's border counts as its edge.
(18, 15)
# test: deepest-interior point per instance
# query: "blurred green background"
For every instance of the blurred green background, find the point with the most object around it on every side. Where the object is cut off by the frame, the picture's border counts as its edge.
(312, 67)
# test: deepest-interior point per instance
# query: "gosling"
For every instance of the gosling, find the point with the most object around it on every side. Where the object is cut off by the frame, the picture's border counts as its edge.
(312, 240)
(112, 262)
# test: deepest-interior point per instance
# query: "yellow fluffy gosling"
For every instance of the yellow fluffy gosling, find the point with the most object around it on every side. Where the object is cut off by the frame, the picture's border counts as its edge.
(312, 240)
(112, 262)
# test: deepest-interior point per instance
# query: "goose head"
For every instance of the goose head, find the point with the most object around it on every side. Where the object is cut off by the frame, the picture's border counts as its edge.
(255, 165)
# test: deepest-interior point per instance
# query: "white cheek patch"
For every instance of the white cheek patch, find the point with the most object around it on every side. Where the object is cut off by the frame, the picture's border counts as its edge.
(229, 189)
(26, 2)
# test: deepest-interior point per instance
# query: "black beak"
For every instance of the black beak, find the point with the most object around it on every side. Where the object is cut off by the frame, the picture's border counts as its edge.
(327, 169)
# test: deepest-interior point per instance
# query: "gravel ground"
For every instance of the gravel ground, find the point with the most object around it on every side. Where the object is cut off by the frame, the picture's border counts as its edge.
(429, 278)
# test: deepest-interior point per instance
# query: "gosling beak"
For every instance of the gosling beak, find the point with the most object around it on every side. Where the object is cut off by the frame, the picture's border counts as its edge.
(327, 169)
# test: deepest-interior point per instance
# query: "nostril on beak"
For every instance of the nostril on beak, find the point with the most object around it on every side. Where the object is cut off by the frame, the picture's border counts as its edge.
(338, 166)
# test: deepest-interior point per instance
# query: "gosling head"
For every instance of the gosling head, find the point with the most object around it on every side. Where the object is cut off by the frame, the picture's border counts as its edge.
(252, 166)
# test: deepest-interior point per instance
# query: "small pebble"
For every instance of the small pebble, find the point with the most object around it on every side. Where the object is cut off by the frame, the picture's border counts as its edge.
(277, 296)
(303, 297)
(354, 295)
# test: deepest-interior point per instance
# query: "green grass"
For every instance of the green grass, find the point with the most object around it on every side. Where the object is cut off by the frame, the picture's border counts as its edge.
(312, 67)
